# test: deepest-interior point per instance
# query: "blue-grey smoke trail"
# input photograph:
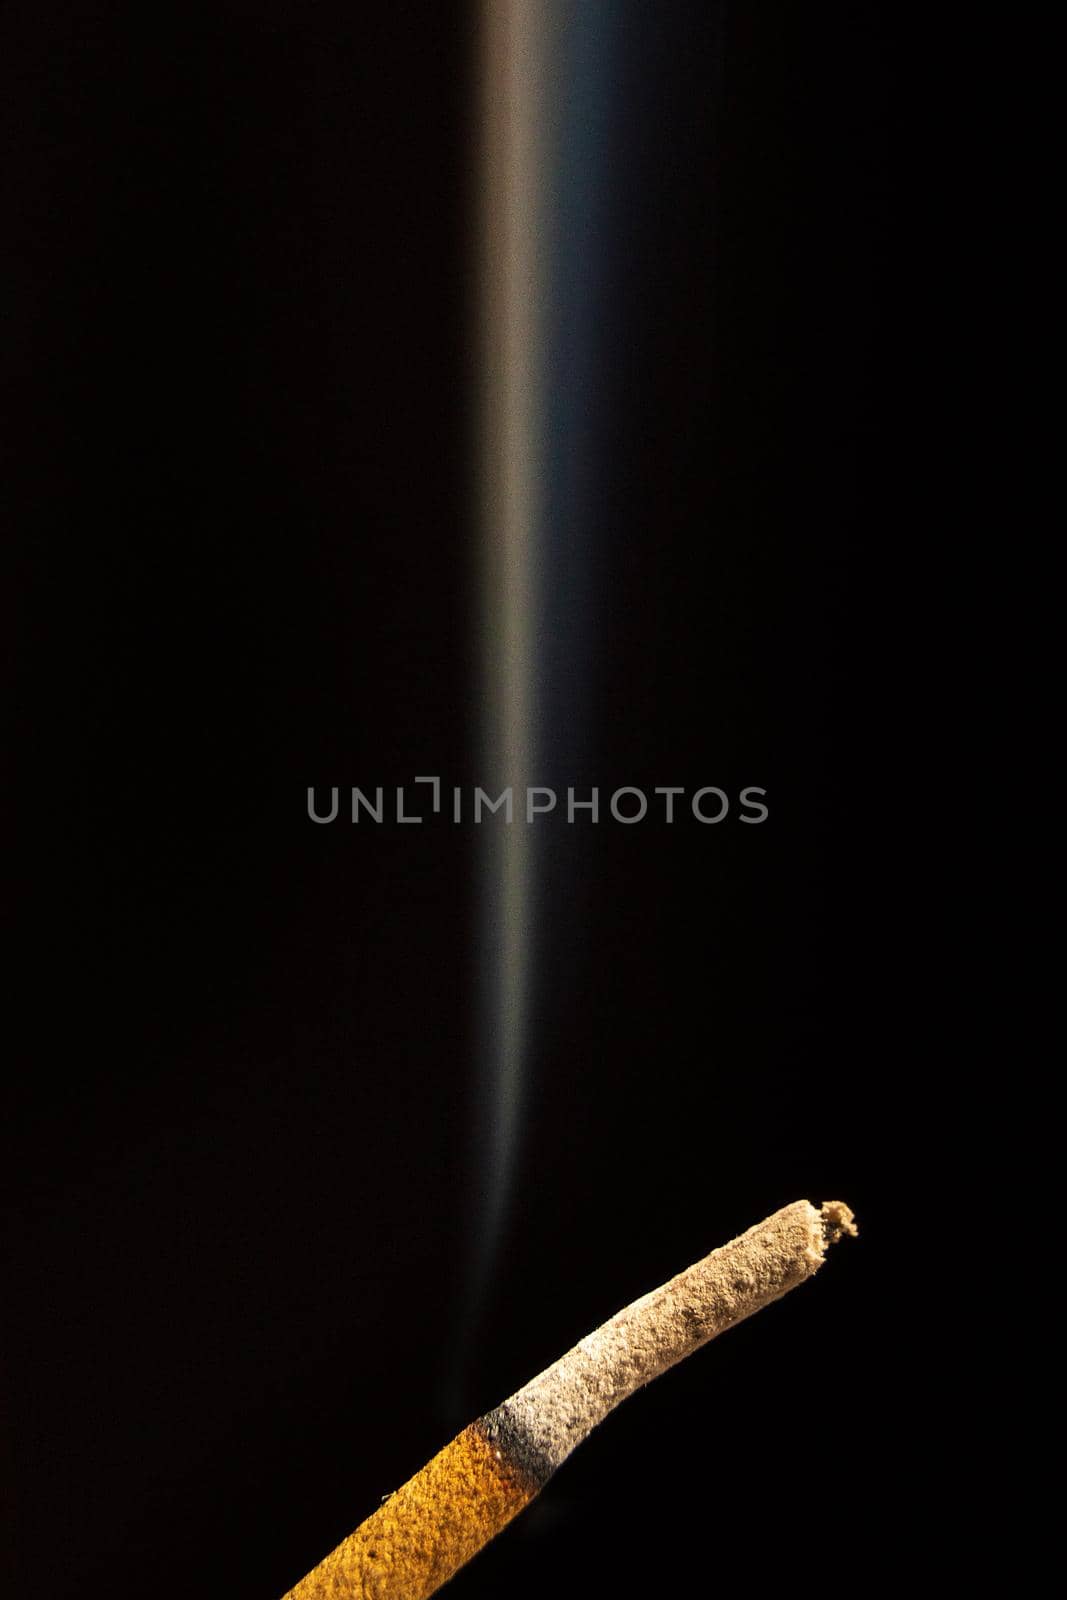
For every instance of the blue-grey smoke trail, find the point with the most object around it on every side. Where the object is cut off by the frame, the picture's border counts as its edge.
(545, 83)
(515, 78)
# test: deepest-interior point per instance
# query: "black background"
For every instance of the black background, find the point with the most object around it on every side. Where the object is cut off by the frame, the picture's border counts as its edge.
(242, 1179)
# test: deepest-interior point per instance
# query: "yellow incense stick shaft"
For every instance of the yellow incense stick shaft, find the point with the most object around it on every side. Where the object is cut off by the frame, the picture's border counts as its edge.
(428, 1529)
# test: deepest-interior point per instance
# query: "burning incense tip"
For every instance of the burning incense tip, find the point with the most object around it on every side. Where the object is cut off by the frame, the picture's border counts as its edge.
(472, 1488)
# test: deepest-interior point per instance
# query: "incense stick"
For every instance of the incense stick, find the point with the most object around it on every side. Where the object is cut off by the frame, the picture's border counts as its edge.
(472, 1488)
